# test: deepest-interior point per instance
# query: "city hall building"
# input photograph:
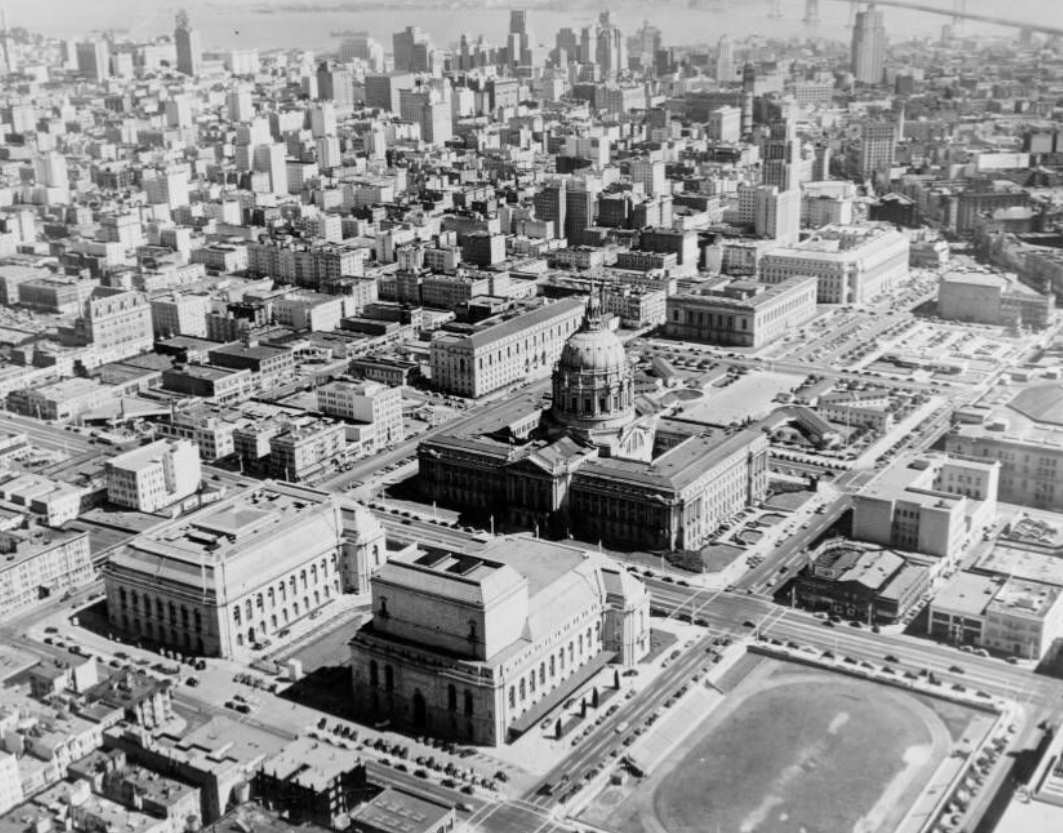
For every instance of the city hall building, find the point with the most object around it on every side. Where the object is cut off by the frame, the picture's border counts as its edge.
(586, 462)
(481, 647)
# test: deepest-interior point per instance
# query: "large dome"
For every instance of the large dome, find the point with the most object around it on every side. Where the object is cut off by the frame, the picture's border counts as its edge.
(593, 383)
(593, 350)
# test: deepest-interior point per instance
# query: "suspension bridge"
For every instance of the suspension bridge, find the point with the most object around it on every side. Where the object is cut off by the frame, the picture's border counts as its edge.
(956, 10)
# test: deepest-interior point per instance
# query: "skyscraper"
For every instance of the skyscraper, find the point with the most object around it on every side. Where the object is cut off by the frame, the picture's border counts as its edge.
(725, 61)
(875, 152)
(519, 43)
(94, 60)
(551, 204)
(780, 153)
(611, 47)
(411, 48)
(188, 45)
(869, 46)
(749, 82)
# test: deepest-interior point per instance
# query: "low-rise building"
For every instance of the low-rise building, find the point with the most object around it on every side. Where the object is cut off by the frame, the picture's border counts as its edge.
(306, 449)
(934, 505)
(219, 384)
(52, 501)
(1012, 616)
(502, 353)
(852, 264)
(370, 402)
(270, 365)
(864, 583)
(742, 313)
(1026, 436)
(61, 401)
(41, 562)
(397, 810)
(313, 781)
(155, 476)
(222, 579)
(989, 298)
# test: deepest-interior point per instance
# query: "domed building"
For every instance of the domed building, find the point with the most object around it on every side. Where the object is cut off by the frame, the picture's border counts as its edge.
(594, 391)
(582, 462)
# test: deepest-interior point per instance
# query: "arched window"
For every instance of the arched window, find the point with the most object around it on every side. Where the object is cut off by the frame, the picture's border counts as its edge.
(452, 697)
(468, 703)
(512, 697)
(389, 678)
(121, 596)
(522, 690)
(374, 673)
(553, 669)
(542, 673)
(383, 609)
(236, 614)
(472, 630)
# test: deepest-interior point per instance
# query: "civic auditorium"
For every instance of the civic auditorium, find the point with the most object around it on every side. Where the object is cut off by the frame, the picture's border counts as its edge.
(481, 647)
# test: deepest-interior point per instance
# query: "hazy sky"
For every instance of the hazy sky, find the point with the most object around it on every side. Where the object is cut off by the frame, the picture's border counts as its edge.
(229, 23)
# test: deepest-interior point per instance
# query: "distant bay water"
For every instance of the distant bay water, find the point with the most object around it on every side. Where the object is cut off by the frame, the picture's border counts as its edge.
(310, 24)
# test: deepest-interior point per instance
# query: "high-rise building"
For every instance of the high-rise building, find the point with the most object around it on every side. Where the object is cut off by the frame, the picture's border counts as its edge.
(336, 85)
(777, 214)
(869, 46)
(749, 82)
(519, 43)
(725, 124)
(581, 198)
(179, 111)
(725, 61)
(875, 151)
(188, 45)
(271, 159)
(410, 47)
(94, 60)
(780, 153)
(551, 203)
(610, 47)
(240, 104)
(650, 173)
(323, 119)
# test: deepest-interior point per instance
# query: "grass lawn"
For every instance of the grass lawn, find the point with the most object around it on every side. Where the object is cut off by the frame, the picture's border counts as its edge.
(788, 500)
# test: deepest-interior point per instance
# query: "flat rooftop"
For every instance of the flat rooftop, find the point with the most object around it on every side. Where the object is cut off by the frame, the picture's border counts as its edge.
(310, 763)
(679, 466)
(966, 594)
(396, 811)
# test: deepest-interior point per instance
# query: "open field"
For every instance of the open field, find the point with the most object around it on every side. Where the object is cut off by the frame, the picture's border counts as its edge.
(794, 748)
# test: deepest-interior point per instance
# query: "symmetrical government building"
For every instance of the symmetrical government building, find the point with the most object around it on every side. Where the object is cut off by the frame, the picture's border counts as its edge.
(586, 462)
(221, 579)
(481, 647)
